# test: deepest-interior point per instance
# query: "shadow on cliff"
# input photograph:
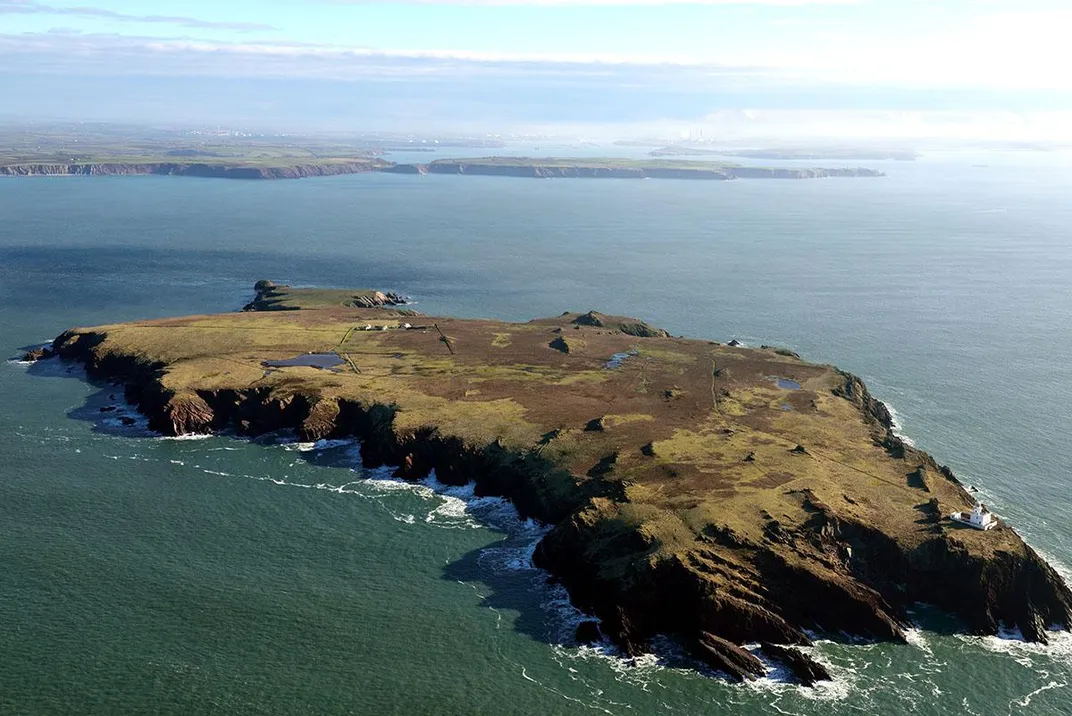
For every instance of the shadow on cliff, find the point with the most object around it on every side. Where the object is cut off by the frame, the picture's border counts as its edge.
(528, 599)
(515, 590)
(106, 409)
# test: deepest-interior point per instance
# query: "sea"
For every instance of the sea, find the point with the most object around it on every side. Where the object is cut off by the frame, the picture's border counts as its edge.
(145, 575)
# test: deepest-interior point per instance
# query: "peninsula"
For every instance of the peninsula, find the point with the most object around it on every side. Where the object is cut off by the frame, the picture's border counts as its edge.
(720, 494)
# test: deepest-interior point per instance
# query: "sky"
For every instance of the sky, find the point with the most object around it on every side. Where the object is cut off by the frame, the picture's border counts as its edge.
(970, 69)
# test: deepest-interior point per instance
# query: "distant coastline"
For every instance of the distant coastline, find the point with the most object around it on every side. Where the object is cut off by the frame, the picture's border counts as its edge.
(789, 153)
(236, 170)
(608, 168)
(612, 168)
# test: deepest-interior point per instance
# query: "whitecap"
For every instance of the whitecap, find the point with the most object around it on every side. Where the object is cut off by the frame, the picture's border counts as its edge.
(1011, 642)
(897, 427)
(315, 446)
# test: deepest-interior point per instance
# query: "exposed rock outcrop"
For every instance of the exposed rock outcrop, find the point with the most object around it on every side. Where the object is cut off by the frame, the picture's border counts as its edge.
(32, 356)
(628, 326)
(271, 296)
(806, 669)
(728, 657)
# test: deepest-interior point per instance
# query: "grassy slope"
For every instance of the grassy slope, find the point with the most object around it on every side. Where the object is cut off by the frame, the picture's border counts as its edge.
(703, 407)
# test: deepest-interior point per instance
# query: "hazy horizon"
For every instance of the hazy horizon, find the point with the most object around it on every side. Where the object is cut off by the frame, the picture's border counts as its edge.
(605, 69)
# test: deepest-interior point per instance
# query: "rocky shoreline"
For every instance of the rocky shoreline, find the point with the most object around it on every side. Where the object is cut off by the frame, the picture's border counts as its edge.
(831, 572)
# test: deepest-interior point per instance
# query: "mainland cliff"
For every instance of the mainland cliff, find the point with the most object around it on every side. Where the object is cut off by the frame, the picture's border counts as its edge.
(195, 169)
(719, 494)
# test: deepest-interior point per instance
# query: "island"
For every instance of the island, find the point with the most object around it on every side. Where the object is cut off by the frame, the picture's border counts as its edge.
(719, 494)
(616, 168)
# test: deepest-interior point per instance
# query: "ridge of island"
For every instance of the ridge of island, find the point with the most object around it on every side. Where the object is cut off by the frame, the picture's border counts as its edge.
(541, 168)
(719, 494)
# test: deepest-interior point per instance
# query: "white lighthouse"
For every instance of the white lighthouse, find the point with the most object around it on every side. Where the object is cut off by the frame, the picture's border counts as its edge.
(980, 518)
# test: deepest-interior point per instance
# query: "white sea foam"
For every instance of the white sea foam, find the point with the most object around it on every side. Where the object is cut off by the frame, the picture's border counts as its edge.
(36, 346)
(458, 506)
(1011, 641)
(917, 638)
(779, 683)
(1026, 700)
(898, 427)
(318, 445)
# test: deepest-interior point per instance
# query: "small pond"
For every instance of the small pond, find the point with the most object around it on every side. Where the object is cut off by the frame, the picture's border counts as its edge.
(307, 360)
(786, 384)
(616, 359)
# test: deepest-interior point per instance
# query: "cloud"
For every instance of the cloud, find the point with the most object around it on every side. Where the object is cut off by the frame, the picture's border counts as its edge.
(909, 75)
(301, 85)
(31, 7)
(115, 54)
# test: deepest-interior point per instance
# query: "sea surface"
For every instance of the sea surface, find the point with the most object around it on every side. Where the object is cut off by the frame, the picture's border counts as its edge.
(141, 575)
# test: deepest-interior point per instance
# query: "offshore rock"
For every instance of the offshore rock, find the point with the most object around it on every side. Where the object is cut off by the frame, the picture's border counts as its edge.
(806, 669)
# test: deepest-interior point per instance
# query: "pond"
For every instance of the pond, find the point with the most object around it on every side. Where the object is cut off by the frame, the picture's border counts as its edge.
(307, 360)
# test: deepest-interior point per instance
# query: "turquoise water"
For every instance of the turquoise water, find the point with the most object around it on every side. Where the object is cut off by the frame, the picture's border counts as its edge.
(141, 575)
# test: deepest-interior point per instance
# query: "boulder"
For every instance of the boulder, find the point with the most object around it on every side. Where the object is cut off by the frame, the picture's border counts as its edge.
(728, 657)
(37, 354)
(806, 669)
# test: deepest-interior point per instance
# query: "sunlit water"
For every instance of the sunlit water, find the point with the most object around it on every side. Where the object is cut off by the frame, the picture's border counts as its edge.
(143, 575)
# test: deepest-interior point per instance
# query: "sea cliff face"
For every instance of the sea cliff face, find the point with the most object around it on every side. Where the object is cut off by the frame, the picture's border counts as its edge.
(716, 531)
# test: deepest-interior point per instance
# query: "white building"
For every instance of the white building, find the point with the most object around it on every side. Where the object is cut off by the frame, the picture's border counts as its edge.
(980, 518)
